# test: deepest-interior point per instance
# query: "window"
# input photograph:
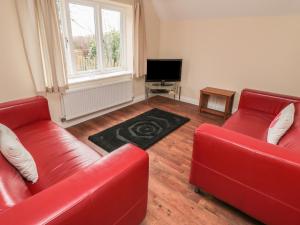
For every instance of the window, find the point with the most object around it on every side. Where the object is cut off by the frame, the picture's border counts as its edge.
(95, 35)
(111, 30)
(83, 38)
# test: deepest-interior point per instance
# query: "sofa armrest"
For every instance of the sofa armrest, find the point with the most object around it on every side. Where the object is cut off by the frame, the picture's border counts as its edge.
(263, 167)
(18, 113)
(265, 101)
(111, 191)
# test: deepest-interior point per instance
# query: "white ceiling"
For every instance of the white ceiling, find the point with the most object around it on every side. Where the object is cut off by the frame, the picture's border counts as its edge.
(193, 9)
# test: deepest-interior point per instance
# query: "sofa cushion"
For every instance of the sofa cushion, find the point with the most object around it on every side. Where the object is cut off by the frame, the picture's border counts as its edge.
(13, 188)
(291, 140)
(13, 150)
(57, 153)
(250, 122)
(281, 124)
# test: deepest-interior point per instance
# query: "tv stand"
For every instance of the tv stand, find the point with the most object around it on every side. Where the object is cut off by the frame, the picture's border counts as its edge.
(162, 88)
(163, 83)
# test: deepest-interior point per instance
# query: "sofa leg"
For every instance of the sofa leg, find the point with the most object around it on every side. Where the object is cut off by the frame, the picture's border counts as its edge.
(197, 190)
(203, 193)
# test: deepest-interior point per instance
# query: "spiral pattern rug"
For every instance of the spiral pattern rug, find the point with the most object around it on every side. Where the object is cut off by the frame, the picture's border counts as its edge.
(142, 131)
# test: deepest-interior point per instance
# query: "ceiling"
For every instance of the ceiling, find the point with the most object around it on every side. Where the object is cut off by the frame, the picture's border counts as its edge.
(193, 9)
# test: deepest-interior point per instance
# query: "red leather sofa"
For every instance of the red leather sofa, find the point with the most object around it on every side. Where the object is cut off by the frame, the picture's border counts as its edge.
(237, 165)
(76, 185)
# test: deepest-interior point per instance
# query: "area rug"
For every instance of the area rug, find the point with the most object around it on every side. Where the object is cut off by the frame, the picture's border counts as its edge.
(143, 130)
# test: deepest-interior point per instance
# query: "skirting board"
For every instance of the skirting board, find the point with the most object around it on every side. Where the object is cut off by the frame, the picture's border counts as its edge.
(192, 101)
(185, 99)
(100, 113)
(195, 101)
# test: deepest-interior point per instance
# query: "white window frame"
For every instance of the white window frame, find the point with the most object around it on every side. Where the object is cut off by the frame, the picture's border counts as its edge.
(98, 6)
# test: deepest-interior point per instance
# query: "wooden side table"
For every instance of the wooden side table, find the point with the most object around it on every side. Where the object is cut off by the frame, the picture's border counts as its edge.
(209, 91)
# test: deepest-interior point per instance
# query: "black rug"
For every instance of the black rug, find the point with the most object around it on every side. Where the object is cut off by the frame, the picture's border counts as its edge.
(142, 131)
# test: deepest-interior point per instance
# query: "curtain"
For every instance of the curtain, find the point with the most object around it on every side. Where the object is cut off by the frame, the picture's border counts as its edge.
(39, 22)
(140, 48)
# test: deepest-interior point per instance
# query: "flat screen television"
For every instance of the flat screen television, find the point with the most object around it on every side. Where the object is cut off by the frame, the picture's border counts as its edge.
(161, 70)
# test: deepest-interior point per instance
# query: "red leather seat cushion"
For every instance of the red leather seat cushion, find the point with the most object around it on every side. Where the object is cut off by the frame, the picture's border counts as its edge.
(250, 122)
(292, 138)
(13, 189)
(56, 152)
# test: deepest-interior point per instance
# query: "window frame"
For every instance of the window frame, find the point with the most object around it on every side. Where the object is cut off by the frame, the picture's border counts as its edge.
(69, 46)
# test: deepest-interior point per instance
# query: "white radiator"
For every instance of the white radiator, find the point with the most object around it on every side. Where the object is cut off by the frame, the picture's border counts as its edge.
(81, 102)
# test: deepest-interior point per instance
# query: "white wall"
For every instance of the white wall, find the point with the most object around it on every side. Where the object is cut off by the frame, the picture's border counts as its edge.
(235, 53)
(15, 78)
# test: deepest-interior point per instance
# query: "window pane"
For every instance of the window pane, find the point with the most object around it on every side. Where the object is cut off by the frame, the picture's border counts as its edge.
(111, 28)
(84, 50)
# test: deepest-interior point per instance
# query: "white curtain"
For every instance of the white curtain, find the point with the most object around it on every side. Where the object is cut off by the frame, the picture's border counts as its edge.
(39, 22)
(140, 43)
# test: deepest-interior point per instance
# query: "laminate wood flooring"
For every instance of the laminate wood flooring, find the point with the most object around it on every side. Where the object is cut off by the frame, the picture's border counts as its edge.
(172, 200)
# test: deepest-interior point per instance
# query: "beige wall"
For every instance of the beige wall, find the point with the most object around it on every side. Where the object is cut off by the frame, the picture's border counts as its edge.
(234, 53)
(15, 78)
(152, 29)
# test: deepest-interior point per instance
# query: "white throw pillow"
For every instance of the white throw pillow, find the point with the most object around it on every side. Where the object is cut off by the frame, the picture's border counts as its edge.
(16, 154)
(281, 124)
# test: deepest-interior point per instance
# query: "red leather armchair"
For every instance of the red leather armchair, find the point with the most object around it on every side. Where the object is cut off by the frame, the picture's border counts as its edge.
(76, 185)
(237, 165)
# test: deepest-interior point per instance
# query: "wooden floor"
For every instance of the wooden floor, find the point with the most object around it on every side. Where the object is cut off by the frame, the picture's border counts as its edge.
(172, 199)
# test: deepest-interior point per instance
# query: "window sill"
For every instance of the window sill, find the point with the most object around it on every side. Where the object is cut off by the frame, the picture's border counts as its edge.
(84, 79)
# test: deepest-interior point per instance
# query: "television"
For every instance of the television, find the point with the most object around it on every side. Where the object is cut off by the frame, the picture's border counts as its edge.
(161, 70)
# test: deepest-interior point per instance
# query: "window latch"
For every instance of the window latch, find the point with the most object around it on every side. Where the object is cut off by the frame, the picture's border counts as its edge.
(67, 42)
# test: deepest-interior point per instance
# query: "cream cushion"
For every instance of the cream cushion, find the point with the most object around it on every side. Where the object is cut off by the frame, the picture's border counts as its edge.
(281, 124)
(13, 150)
